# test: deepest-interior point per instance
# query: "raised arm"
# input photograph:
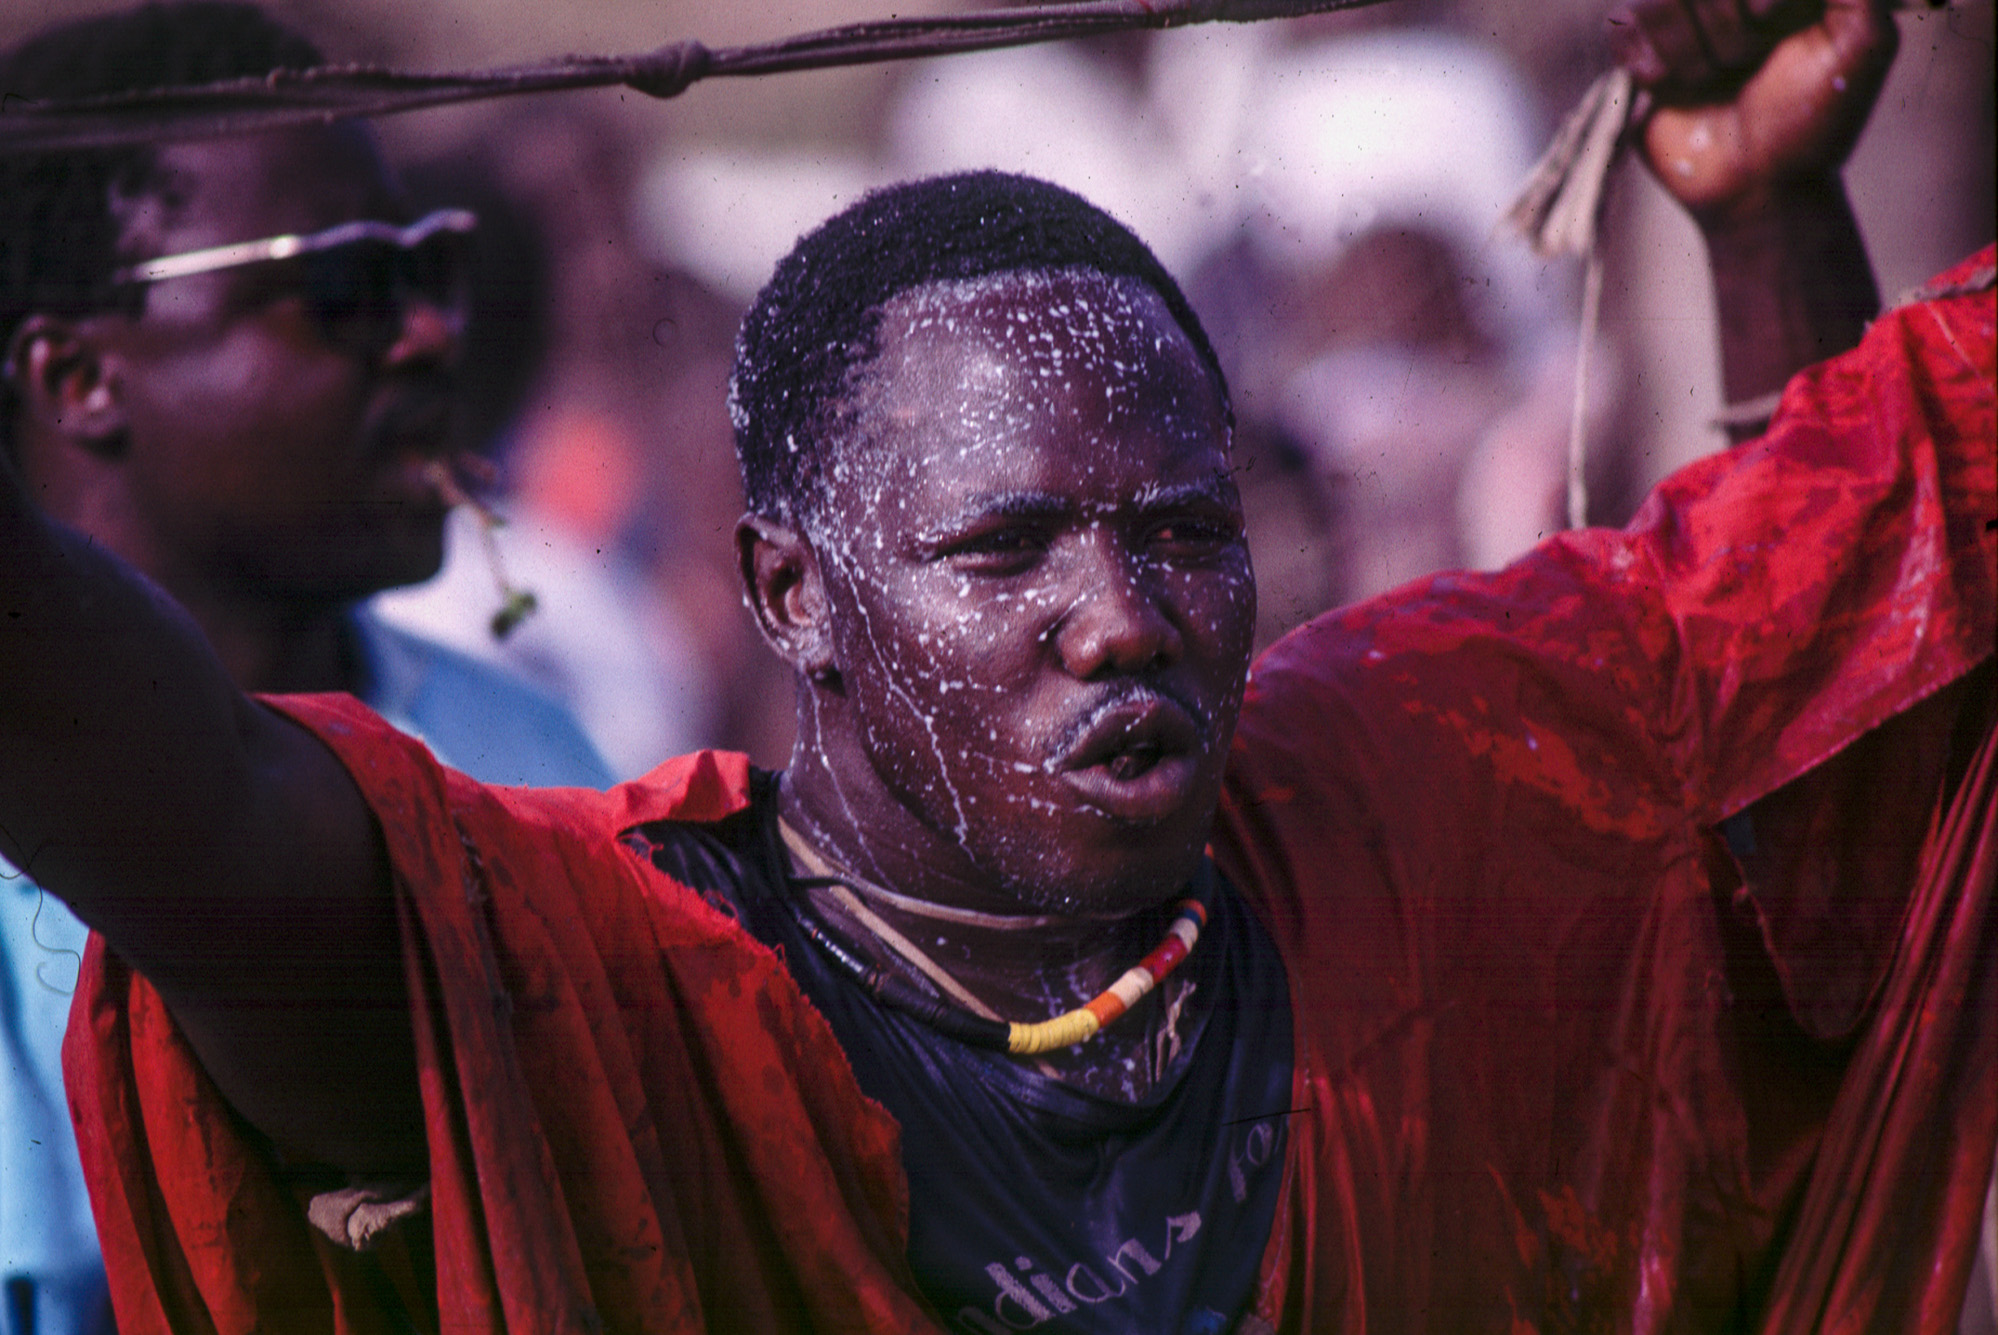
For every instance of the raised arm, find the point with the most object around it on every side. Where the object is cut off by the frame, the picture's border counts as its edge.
(1758, 104)
(221, 850)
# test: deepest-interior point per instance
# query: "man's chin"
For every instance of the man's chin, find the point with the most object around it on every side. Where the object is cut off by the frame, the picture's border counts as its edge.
(1113, 883)
(336, 582)
(410, 553)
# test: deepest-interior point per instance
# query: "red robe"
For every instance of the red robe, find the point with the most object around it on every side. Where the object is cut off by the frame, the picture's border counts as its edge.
(1562, 1062)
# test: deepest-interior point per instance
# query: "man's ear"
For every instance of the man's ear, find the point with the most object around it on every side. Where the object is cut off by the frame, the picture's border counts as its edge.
(787, 595)
(67, 383)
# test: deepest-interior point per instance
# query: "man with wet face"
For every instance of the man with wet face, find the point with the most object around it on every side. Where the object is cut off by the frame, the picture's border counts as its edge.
(1035, 597)
(259, 436)
(1471, 1020)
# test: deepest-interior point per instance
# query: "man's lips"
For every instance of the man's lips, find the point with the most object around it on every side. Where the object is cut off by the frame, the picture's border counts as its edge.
(1135, 760)
(413, 417)
(411, 439)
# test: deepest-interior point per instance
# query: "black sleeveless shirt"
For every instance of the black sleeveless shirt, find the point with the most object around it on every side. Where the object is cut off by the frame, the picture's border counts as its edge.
(1034, 1204)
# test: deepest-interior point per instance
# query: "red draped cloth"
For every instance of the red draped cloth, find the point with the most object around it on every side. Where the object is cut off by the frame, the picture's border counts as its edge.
(1566, 1059)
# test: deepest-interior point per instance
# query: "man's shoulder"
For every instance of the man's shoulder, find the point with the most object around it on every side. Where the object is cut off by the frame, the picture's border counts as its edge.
(578, 848)
(725, 855)
(398, 771)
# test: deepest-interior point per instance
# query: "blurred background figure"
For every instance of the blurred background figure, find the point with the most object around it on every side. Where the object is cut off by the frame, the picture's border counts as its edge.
(266, 435)
(576, 350)
(1403, 369)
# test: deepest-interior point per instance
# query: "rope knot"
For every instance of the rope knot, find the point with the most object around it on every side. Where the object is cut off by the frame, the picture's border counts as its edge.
(668, 71)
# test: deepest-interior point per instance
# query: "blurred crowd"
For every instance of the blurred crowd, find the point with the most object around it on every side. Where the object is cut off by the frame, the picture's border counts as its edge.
(1330, 190)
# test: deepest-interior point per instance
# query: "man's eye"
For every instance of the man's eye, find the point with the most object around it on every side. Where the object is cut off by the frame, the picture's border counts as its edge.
(1187, 537)
(999, 549)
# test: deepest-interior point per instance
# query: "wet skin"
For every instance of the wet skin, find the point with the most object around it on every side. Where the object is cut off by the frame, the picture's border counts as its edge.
(257, 458)
(1032, 603)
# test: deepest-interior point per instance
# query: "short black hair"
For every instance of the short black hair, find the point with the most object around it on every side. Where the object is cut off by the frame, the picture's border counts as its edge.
(817, 320)
(58, 237)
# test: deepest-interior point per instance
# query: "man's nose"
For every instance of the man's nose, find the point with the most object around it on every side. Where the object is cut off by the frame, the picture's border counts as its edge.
(1118, 622)
(428, 335)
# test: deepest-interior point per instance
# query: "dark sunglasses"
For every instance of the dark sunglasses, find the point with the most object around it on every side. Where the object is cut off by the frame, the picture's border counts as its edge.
(356, 279)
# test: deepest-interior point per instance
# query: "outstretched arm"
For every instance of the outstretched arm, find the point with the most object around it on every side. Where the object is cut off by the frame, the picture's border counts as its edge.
(219, 848)
(1759, 103)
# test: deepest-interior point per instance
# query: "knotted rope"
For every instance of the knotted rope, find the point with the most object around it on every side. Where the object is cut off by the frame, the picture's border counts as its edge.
(332, 92)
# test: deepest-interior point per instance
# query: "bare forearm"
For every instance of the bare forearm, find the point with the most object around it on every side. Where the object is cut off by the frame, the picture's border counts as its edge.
(220, 850)
(1757, 104)
(1793, 284)
(103, 682)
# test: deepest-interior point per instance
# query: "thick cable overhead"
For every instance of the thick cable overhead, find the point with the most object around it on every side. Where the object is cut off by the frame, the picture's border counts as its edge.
(331, 92)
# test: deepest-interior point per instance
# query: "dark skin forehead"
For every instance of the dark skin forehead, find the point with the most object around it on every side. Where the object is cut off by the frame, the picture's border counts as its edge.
(213, 192)
(968, 370)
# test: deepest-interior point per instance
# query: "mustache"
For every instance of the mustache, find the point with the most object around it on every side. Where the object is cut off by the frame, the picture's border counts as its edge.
(427, 410)
(1122, 696)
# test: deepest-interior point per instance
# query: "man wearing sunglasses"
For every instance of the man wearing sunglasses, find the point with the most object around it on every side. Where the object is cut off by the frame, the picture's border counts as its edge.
(230, 363)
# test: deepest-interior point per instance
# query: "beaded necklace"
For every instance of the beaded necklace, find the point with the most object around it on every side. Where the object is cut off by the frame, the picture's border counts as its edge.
(976, 1023)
